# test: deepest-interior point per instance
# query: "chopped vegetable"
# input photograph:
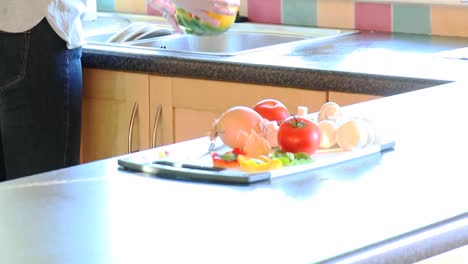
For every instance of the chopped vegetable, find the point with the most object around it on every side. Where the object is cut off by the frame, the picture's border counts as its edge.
(227, 160)
(271, 133)
(292, 159)
(162, 153)
(219, 162)
(256, 145)
(258, 165)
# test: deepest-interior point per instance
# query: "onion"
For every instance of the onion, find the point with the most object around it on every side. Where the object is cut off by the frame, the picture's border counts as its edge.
(271, 133)
(235, 125)
(256, 145)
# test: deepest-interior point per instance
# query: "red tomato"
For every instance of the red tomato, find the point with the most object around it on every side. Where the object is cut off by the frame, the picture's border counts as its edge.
(272, 110)
(298, 134)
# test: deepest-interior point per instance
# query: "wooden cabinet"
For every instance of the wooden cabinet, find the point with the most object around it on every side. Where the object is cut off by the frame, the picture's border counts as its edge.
(349, 98)
(197, 103)
(125, 111)
(109, 100)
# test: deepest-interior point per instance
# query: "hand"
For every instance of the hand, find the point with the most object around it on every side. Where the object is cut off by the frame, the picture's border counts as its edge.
(167, 9)
(200, 8)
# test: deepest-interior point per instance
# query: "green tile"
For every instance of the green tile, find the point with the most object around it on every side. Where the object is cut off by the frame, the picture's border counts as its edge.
(105, 5)
(299, 12)
(412, 18)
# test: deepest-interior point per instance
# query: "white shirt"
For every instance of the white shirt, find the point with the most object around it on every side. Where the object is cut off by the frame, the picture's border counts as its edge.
(64, 16)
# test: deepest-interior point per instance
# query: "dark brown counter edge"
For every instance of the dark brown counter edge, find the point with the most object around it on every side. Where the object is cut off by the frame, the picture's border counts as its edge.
(414, 246)
(313, 79)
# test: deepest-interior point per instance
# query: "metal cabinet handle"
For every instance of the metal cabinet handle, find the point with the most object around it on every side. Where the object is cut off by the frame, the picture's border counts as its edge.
(130, 127)
(156, 124)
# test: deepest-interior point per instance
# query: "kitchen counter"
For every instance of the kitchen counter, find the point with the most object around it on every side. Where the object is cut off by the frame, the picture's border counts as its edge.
(367, 62)
(397, 207)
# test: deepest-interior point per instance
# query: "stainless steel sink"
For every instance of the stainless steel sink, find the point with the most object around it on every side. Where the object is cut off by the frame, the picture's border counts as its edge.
(239, 40)
(100, 38)
(132, 32)
(229, 43)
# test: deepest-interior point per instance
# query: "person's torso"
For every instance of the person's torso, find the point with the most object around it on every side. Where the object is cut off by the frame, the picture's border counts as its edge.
(64, 16)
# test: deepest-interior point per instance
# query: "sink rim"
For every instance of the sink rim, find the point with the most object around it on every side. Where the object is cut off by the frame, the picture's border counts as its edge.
(306, 35)
(300, 40)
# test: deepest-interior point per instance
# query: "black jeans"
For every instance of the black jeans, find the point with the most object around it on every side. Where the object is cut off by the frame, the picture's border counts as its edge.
(40, 102)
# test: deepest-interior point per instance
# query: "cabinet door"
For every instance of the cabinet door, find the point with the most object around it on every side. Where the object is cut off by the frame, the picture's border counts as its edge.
(197, 103)
(349, 98)
(109, 100)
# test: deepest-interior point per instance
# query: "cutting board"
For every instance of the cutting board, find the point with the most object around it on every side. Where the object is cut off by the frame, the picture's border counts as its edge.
(199, 167)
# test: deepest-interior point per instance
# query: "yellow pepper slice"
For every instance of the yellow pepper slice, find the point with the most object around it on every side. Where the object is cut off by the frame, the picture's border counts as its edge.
(258, 165)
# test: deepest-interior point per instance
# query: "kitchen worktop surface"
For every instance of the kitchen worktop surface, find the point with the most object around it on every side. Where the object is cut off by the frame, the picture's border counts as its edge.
(396, 207)
(366, 62)
(400, 206)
